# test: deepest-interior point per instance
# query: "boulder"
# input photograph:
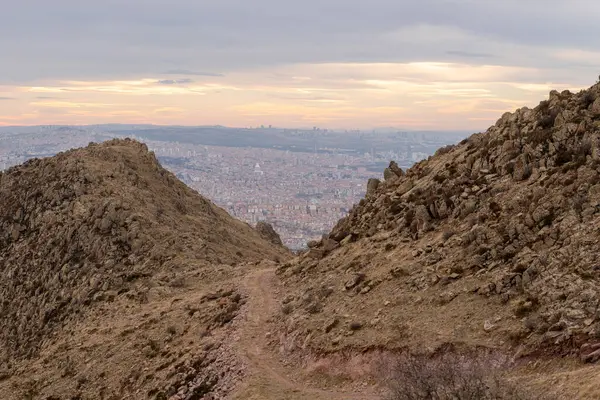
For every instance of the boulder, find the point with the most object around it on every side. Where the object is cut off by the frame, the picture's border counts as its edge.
(393, 167)
(372, 186)
(267, 232)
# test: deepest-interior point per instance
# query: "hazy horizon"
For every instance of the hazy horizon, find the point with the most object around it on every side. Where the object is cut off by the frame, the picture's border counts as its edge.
(426, 65)
(287, 128)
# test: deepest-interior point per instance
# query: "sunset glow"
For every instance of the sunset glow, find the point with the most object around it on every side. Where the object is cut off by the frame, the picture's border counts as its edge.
(412, 95)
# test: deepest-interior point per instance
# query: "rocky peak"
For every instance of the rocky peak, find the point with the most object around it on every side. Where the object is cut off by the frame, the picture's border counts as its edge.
(509, 215)
(92, 224)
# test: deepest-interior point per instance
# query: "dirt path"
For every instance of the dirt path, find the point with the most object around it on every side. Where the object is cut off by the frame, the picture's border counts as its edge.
(268, 378)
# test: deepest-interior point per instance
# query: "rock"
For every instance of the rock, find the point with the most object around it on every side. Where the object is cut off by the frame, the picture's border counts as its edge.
(354, 281)
(574, 314)
(595, 108)
(488, 326)
(447, 297)
(372, 186)
(313, 243)
(316, 254)
(404, 187)
(330, 245)
(388, 174)
(393, 167)
(398, 271)
(15, 233)
(347, 240)
(522, 169)
(267, 232)
(331, 324)
(590, 352)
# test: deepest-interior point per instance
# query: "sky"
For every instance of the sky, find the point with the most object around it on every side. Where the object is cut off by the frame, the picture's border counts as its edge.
(427, 64)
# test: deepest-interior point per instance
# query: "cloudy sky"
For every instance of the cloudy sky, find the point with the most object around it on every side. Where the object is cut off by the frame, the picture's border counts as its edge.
(426, 64)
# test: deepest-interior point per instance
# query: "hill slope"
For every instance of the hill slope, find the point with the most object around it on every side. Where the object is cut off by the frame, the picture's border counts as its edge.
(491, 244)
(95, 246)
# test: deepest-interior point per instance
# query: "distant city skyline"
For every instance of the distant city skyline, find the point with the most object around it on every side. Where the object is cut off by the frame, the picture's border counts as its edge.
(302, 182)
(376, 129)
(432, 64)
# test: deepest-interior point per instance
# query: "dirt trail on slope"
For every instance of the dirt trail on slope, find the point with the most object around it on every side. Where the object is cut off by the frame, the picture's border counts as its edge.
(268, 377)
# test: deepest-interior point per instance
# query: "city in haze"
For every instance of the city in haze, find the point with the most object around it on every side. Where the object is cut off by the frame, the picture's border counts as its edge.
(302, 181)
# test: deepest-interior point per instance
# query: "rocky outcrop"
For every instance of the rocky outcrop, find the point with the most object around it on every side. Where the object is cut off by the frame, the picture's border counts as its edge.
(267, 232)
(509, 216)
(396, 169)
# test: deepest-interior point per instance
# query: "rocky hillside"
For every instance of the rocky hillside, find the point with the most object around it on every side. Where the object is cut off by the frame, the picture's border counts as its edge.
(99, 233)
(490, 243)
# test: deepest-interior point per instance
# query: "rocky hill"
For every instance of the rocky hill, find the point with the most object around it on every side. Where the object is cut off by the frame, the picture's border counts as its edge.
(491, 243)
(95, 246)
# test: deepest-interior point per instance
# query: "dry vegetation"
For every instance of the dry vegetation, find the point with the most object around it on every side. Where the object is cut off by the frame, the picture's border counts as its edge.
(449, 376)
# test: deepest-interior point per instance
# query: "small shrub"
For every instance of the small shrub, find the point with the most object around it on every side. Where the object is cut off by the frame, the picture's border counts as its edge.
(481, 218)
(439, 178)
(287, 309)
(539, 136)
(171, 330)
(355, 326)
(563, 155)
(546, 121)
(527, 171)
(544, 106)
(510, 167)
(587, 99)
(409, 216)
(447, 377)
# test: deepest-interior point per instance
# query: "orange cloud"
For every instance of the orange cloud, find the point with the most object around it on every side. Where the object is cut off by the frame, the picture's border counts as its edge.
(419, 95)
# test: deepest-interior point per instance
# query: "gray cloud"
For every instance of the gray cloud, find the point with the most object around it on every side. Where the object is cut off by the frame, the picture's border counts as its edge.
(174, 81)
(7, 98)
(72, 39)
(47, 97)
(468, 54)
